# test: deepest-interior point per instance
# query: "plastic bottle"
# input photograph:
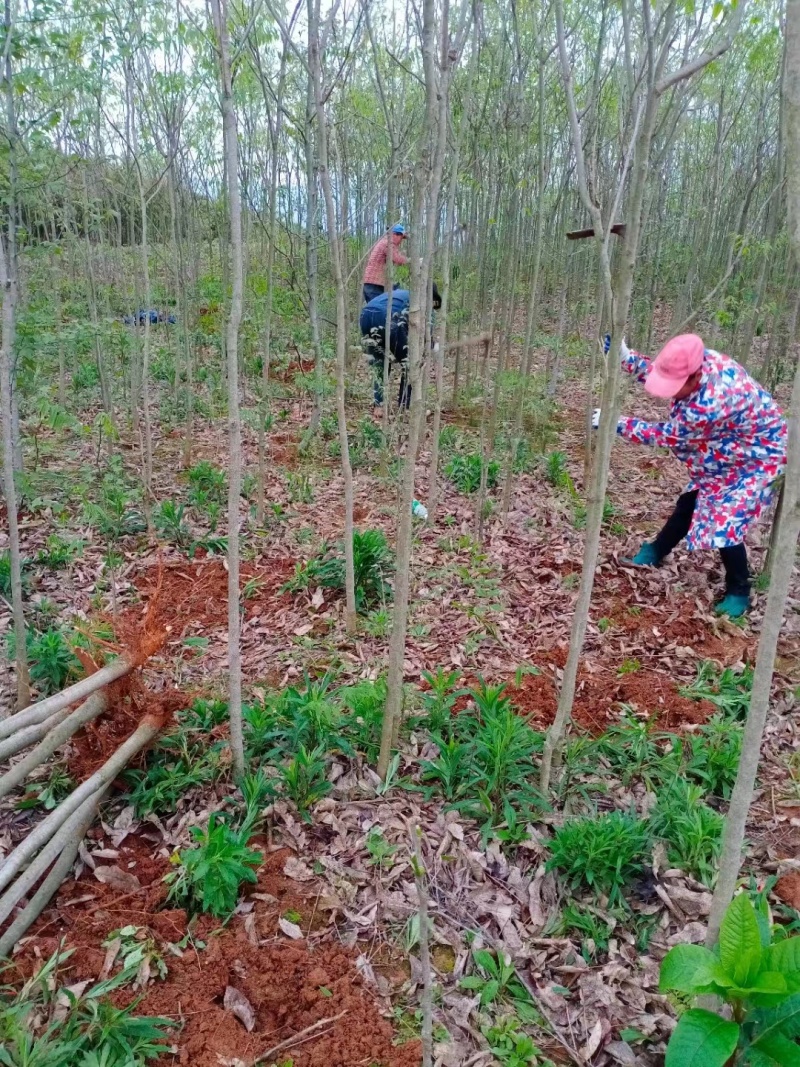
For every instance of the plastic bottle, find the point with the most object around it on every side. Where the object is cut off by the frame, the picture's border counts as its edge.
(419, 509)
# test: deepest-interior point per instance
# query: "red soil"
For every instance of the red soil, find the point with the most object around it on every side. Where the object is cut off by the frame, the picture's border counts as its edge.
(195, 594)
(289, 984)
(601, 691)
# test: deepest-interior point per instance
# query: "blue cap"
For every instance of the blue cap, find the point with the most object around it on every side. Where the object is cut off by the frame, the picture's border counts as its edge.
(399, 228)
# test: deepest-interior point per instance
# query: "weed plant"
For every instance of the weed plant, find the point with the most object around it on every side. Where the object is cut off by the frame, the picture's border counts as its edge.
(180, 761)
(602, 853)
(373, 562)
(485, 766)
(691, 830)
(728, 689)
(45, 1025)
(51, 661)
(464, 471)
(208, 877)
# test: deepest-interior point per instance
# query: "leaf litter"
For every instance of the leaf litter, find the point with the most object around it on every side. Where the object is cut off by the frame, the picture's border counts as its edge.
(482, 610)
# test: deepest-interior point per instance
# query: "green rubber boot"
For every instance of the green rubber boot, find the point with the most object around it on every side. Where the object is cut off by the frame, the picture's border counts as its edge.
(645, 557)
(733, 606)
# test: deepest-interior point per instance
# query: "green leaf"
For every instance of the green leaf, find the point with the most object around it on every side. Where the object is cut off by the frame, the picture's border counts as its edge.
(783, 956)
(782, 1020)
(740, 941)
(766, 982)
(775, 1051)
(490, 991)
(701, 1039)
(691, 969)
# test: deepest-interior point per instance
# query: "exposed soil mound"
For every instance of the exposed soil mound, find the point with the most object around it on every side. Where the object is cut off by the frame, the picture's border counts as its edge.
(290, 985)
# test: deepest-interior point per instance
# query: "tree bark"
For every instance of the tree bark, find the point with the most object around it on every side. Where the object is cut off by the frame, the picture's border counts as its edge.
(315, 66)
(231, 147)
(786, 536)
(8, 283)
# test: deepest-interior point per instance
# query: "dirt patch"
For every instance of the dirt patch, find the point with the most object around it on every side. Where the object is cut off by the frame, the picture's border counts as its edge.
(129, 700)
(290, 984)
(194, 595)
(601, 691)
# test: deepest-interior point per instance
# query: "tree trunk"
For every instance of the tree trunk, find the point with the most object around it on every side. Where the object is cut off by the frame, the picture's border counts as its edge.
(785, 538)
(231, 148)
(8, 283)
(315, 65)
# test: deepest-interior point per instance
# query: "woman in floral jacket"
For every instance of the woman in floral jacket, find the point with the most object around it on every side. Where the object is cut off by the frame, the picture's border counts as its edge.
(731, 435)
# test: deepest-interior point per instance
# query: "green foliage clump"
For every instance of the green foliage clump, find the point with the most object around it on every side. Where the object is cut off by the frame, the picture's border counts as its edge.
(758, 979)
(711, 756)
(691, 829)
(728, 689)
(464, 471)
(51, 661)
(168, 519)
(208, 877)
(555, 470)
(485, 767)
(373, 561)
(601, 852)
(206, 482)
(179, 761)
(60, 552)
(45, 1025)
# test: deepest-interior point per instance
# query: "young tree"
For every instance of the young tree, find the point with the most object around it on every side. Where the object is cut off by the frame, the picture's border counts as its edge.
(231, 149)
(315, 74)
(786, 536)
(8, 285)
(653, 82)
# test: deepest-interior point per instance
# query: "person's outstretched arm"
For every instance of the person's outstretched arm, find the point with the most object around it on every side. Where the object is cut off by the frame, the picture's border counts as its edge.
(691, 424)
(631, 362)
(397, 255)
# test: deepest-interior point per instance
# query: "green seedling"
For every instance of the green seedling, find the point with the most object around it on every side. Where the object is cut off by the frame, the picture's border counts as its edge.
(49, 794)
(757, 978)
(496, 981)
(136, 950)
(601, 852)
(209, 876)
(464, 471)
(380, 850)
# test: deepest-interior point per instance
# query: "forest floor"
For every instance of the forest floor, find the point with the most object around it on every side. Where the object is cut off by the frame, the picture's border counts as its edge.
(492, 611)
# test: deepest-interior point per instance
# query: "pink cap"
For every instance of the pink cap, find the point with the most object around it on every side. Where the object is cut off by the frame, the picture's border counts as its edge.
(678, 360)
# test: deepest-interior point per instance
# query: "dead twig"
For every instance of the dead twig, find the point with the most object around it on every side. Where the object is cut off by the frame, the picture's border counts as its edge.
(300, 1037)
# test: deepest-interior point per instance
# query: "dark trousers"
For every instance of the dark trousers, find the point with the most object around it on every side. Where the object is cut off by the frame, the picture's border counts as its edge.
(371, 291)
(734, 558)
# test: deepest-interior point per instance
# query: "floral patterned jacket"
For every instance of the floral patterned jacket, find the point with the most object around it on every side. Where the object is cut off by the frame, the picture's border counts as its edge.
(731, 435)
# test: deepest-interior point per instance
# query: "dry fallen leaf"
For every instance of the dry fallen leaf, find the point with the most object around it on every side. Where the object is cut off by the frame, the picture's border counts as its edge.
(117, 879)
(238, 1004)
(290, 929)
(296, 869)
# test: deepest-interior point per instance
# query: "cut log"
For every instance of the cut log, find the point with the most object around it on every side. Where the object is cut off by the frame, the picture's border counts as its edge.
(29, 735)
(37, 713)
(58, 872)
(90, 709)
(578, 235)
(48, 827)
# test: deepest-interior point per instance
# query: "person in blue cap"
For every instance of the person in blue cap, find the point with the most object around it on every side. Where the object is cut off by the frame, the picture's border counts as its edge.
(373, 339)
(375, 270)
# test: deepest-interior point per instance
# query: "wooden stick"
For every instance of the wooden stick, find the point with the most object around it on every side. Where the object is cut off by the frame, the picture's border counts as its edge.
(295, 1038)
(51, 851)
(85, 687)
(41, 834)
(58, 872)
(578, 235)
(29, 735)
(90, 709)
(466, 342)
